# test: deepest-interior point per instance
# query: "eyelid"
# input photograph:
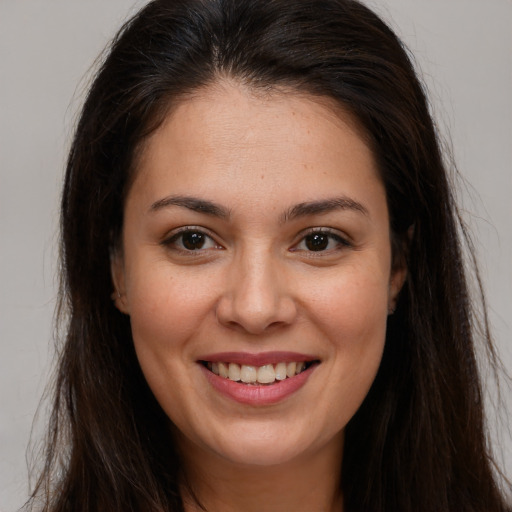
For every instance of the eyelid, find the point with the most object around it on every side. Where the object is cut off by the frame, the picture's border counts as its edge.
(173, 235)
(342, 239)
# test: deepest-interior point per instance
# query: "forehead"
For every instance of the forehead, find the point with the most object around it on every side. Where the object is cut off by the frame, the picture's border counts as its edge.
(227, 135)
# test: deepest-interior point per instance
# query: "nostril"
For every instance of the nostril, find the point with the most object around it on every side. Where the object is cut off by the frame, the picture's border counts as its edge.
(257, 313)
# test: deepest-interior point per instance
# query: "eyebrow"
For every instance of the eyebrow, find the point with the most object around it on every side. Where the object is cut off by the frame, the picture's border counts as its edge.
(192, 203)
(299, 210)
(323, 206)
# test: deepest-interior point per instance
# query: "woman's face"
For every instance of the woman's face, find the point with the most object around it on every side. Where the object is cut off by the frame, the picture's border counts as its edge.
(256, 246)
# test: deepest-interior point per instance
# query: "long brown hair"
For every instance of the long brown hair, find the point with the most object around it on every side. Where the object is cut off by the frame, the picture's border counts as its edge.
(418, 441)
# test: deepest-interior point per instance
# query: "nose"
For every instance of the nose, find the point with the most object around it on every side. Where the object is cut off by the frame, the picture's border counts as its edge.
(257, 297)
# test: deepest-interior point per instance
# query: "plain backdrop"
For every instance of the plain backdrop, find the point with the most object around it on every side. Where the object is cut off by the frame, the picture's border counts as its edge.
(463, 49)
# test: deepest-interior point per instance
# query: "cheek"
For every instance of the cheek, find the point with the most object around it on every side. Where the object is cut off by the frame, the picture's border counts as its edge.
(352, 302)
(353, 317)
(166, 313)
(352, 314)
(166, 306)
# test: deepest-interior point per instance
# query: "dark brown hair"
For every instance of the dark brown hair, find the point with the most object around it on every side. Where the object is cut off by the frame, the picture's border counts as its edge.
(418, 441)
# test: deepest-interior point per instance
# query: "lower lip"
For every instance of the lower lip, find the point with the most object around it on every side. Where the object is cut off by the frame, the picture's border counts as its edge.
(258, 395)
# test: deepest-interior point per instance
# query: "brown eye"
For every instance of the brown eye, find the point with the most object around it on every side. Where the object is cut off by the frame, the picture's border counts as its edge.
(321, 241)
(317, 241)
(193, 240)
(190, 240)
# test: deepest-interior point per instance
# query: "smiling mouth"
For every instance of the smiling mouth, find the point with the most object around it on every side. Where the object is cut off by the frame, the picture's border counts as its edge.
(267, 374)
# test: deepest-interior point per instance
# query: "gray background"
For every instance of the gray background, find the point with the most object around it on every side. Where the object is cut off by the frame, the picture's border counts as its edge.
(462, 47)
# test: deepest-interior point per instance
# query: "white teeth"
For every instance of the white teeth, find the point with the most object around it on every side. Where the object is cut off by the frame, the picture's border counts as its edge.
(290, 369)
(248, 374)
(234, 371)
(280, 371)
(224, 370)
(266, 374)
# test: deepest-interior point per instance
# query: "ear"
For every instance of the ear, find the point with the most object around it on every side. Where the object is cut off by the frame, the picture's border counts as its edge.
(117, 271)
(397, 280)
(399, 267)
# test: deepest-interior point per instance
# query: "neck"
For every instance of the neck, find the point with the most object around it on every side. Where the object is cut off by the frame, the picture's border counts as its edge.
(310, 483)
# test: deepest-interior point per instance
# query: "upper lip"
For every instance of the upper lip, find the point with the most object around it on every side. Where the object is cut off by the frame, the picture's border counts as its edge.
(257, 359)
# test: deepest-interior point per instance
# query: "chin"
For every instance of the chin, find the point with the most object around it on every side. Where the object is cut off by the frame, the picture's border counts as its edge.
(260, 454)
(261, 447)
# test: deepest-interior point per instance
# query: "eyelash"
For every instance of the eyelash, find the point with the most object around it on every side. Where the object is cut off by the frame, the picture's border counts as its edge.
(173, 240)
(332, 235)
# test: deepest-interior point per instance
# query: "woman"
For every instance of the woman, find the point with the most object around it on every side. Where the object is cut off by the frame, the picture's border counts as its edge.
(268, 308)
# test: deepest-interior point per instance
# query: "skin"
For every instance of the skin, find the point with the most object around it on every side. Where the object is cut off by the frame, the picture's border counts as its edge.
(255, 286)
